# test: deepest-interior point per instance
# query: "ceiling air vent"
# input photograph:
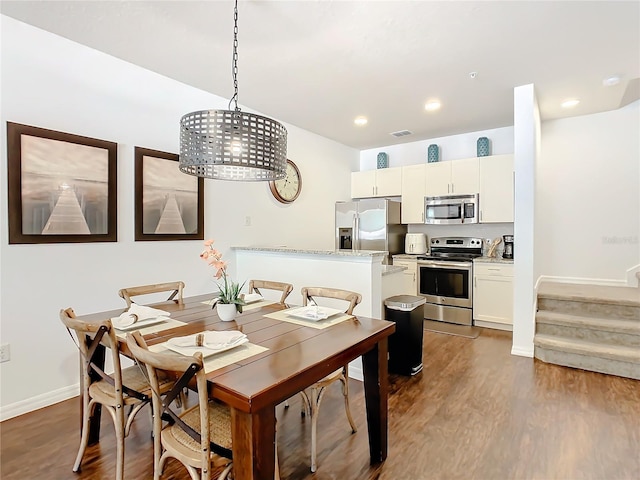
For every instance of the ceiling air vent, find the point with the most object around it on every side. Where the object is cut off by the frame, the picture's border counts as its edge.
(401, 133)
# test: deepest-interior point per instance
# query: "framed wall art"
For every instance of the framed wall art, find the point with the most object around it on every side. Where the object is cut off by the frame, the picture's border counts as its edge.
(62, 187)
(169, 204)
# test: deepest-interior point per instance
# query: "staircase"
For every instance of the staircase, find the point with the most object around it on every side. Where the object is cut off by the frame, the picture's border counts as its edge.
(590, 327)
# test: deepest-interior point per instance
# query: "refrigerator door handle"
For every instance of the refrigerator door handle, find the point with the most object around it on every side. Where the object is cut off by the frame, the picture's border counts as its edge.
(356, 232)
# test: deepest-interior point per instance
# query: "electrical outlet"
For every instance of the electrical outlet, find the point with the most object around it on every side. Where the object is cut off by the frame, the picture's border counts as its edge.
(247, 221)
(5, 353)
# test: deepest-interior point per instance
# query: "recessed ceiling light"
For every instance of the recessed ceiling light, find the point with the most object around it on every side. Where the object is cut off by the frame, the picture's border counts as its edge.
(361, 121)
(432, 105)
(611, 81)
(570, 103)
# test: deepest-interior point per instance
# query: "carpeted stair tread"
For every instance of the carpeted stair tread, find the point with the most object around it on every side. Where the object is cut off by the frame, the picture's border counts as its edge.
(629, 296)
(613, 352)
(628, 326)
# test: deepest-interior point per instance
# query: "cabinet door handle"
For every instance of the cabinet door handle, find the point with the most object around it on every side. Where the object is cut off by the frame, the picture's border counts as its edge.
(453, 188)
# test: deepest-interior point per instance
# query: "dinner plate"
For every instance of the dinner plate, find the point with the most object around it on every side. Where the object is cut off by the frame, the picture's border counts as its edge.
(206, 352)
(142, 323)
(313, 313)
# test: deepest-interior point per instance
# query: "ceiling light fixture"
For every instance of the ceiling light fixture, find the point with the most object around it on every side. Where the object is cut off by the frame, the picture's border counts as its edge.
(611, 81)
(231, 144)
(361, 121)
(432, 105)
(570, 103)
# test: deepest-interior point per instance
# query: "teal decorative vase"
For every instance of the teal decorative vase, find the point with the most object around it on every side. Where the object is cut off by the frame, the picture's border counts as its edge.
(483, 147)
(433, 153)
(383, 160)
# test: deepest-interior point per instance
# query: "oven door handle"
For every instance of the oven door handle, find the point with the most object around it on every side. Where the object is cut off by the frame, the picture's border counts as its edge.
(456, 265)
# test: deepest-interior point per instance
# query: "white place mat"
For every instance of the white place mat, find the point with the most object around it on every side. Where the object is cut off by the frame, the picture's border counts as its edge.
(158, 327)
(260, 304)
(320, 324)
(222, 359)
(251, 306)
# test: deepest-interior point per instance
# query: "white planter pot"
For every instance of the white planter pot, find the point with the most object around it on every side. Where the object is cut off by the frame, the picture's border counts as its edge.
(226, 311)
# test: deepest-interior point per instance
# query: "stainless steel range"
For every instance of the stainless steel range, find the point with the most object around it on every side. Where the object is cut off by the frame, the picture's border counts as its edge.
(445, 279)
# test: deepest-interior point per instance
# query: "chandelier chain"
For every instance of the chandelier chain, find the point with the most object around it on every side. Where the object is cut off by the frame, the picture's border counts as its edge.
(235, 58)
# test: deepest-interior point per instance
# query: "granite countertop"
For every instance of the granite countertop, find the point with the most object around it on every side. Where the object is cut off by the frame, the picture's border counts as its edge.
(338, 253)
(390, 269)
(493, 260)
(407, 256)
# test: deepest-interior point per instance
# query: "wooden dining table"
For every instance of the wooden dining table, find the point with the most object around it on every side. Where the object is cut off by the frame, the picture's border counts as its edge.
(296, 356)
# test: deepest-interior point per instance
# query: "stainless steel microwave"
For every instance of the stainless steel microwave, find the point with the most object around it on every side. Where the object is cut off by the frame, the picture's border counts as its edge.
(451, 209)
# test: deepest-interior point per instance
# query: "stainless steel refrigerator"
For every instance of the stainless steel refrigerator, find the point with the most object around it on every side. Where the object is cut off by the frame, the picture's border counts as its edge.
(370, 224)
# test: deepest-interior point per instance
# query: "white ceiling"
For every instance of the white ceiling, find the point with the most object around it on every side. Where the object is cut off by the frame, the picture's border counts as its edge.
(319, 64)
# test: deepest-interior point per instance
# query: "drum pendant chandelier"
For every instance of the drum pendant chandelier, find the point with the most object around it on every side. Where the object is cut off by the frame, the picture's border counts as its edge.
(231, 144)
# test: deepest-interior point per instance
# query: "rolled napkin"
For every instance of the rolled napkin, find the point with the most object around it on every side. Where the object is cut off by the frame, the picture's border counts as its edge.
(210, 340)
(137, 313)
(315, 312)
(252, 297)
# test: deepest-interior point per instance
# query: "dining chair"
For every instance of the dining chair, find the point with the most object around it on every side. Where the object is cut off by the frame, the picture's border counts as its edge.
(115, 391)
(285, 288)
(199, 438)
(312, 396)
(175, 288)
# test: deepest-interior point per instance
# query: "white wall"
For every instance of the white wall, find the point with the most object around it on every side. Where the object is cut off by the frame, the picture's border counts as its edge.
(50, 82)
(588, 195)
(453, 147)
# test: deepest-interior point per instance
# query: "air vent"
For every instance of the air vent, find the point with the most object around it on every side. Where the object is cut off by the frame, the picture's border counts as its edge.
(401, 133)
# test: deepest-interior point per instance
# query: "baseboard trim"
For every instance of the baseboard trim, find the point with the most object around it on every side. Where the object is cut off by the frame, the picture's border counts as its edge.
(355, 371)
(39, 401)
(522, 351)
(633, 276)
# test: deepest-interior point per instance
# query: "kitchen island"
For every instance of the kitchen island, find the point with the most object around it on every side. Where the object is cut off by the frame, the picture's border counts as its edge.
(360, 271)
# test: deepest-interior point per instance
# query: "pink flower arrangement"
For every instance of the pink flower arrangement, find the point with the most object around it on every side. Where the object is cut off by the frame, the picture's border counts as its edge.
(229, 290)
(214, 258)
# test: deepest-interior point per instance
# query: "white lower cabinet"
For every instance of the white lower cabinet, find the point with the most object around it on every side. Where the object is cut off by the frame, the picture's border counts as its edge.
(409, 276)
(493, 295)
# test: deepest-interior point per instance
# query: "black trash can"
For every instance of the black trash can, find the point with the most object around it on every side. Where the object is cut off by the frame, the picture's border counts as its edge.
(405, 345)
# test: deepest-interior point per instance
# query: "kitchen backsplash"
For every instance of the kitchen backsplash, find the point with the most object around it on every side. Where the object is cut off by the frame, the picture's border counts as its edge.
(480, 230)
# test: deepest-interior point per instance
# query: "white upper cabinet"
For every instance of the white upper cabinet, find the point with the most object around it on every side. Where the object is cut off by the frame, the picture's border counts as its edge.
(455, 177)
(414, 189)
(465, 176)
(438, 178)
(384, 182)
(496, 189)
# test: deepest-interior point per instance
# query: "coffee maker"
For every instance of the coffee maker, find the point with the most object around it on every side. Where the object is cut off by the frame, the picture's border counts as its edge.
(508, 246)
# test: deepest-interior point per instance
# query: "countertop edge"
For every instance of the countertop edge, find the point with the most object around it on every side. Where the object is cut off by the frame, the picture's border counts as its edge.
(506, 261)
(338, 253)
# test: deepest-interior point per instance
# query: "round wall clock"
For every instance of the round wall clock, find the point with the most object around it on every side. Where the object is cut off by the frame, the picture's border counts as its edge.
(287, 189)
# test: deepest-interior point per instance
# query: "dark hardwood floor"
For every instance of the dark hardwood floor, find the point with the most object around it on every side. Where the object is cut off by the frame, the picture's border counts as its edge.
(475, 412)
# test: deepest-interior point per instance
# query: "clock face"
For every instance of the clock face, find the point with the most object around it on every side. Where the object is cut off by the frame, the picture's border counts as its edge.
(287, 189)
